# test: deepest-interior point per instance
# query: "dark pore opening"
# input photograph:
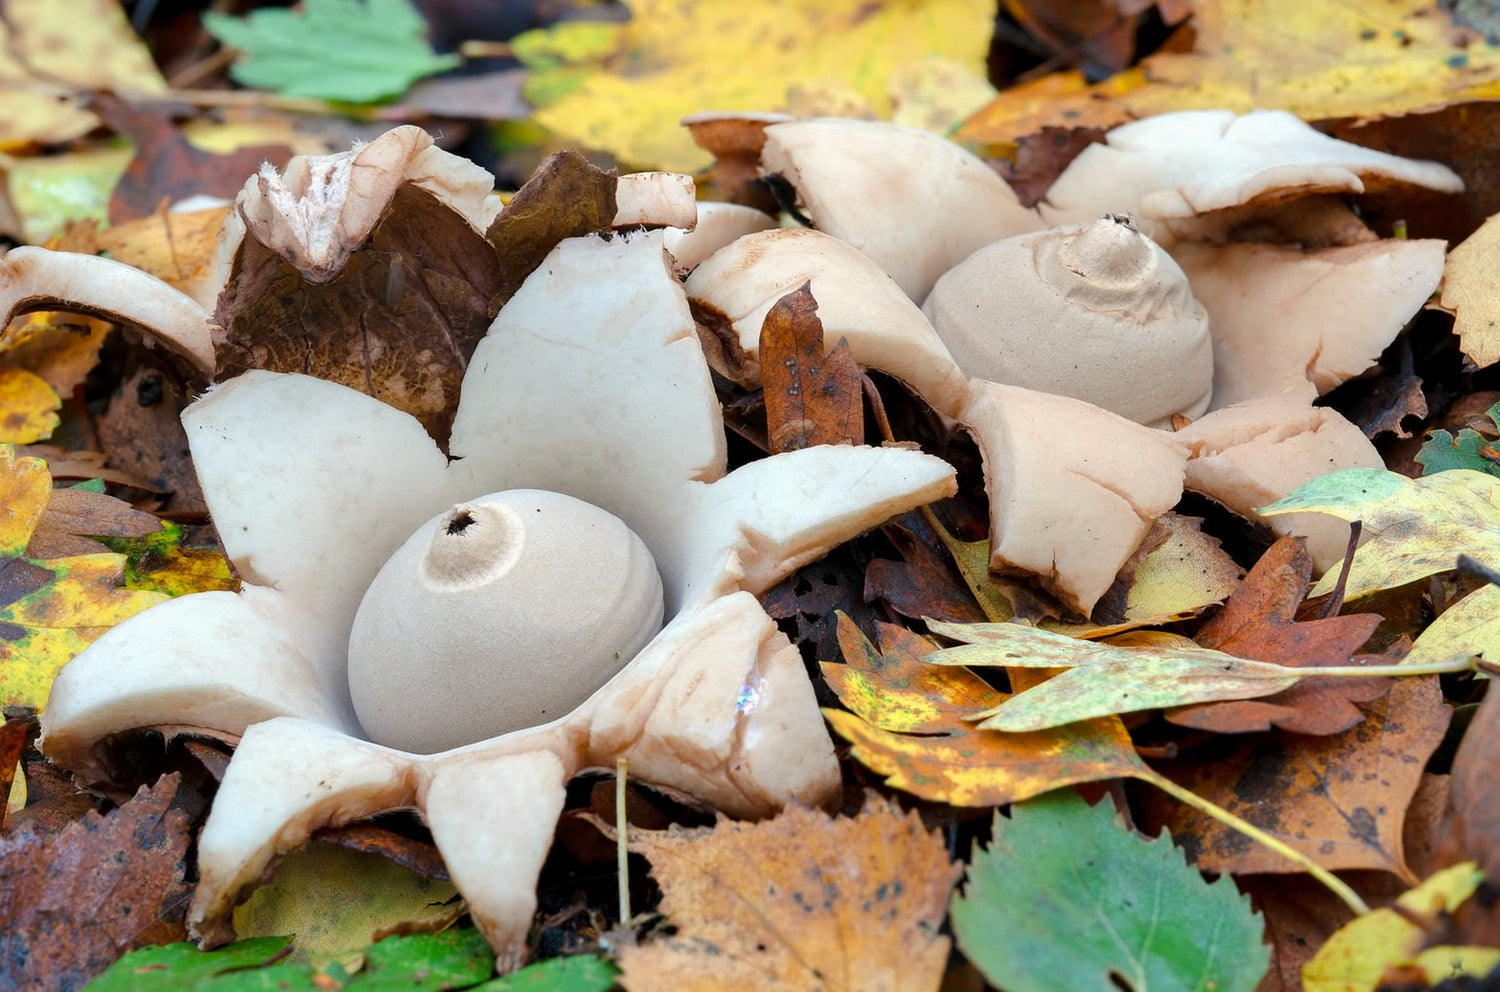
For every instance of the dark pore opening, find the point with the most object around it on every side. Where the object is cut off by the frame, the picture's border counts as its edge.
(461, 522)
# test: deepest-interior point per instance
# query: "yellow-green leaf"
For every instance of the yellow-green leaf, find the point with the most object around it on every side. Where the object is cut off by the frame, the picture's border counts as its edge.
(624, 90)
(1469, 627)
(1413, 528)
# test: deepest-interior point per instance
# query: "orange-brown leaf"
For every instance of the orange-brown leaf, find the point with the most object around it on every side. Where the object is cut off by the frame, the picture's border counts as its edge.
(812, 397)
(798, 902)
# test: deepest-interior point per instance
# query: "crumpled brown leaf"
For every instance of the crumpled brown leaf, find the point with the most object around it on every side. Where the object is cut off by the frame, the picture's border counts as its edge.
(798, 902)
(1259, 622)
(71, 905)
(811, 397)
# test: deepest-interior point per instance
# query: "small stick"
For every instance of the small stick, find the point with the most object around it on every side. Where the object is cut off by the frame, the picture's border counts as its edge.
(622, 847)
(1335, 600)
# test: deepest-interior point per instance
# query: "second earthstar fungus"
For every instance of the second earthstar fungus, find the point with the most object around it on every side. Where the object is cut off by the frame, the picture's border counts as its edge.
(590, 383)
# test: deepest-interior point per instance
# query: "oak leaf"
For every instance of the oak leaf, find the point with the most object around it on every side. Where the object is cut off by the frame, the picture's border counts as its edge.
(910, 722)
(1467, 273)
(812, 397)
(801, 901)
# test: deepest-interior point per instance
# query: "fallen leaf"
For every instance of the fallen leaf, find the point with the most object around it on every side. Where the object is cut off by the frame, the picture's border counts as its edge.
(1177, 572)
(566, 197)
(1065, 897)
(811, 397)
(336, 900)
(54, 54)
(801, 901)
(1468, 628)
(926, 583)
(1315, 58)
(1387, 401)
(1467, 273)
(1132, 672)
(28, 407)
(1469, 449)
(398, 322)
(1415, 527)
(1356, 958)
(42, 194)
(812, 599)
(49, 610)
(1259, 622)
(60, 348)
(158, 562)
(1090, 34)
(1474, 830)
(14, 735)
(73, 513)
(623, 88)
(348, 50)
(184, 965)
(141, 436)
(167, 167)
(178, 248)
(1340, 800)
(910, 723)
(106, 884)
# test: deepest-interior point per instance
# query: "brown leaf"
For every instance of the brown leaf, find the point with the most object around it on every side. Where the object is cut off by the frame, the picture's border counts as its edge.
(566, 197)
(75, 515)
(911, 723)
(926, 584)
(1475, 830)
(1340, 799)
(1041, 157)
(71, 905)
(1258, 622)
(13, 737)
(802, 901)
(811, 397)
(399, 322)
(167, 167)
(141, 432)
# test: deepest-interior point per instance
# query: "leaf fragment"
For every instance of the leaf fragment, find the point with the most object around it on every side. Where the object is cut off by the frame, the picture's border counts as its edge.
(811, 397)
(28, 406)
(1469, 449)
(1066, 898)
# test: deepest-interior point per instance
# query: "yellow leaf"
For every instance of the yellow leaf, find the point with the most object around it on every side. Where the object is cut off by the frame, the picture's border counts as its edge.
(52, 609)
(1357, 955)
(630, 87)
(60, 348)
(74, 47)
(1412, 528)
(336, 901)
(1469, 277)
(28, 407)
(1469, 627)
(1315, 58)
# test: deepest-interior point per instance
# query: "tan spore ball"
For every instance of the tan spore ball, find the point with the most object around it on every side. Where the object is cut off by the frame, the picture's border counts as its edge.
(1098, 312)
(500, 613)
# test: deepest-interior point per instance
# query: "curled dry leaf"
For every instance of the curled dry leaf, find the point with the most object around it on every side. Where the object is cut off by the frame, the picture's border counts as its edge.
(106, 884)
(801, 901)
(811, 397)
(1259, 622)
(1340, 799)
(910, 722)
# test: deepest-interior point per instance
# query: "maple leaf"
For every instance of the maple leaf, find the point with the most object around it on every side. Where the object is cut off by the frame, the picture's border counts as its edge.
(910, 723)
(1259, 622)
(49, 609)
(1470, 448)
(106, 884)
(812, 397)
(623, 88)
(1415, 527)
(801, 901)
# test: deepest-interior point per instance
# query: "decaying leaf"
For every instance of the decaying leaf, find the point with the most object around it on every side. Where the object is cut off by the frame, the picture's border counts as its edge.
(1142, 670)
(1474, 829)
(1356, 958)
(1338, 799)
(76, 515)
(72, 904)
(1316, 59)
(910, 723)
(801, 901)
(926, 583)
(1259, 622)
(336, 901)
(1468, 275)
(1415, 527)
(49, 610)
(623, 88)
(1066, 898)
(178, 248)
(1468, 449)
(60, 348)
(811, 397)
(358, 51)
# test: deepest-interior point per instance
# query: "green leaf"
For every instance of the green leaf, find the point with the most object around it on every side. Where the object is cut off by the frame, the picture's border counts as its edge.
(159, 563)
(454, 959)
(183, 965)
(1161, 671)
(1471, 449)
(357, 52)
(576, 974)
(1066, 898)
